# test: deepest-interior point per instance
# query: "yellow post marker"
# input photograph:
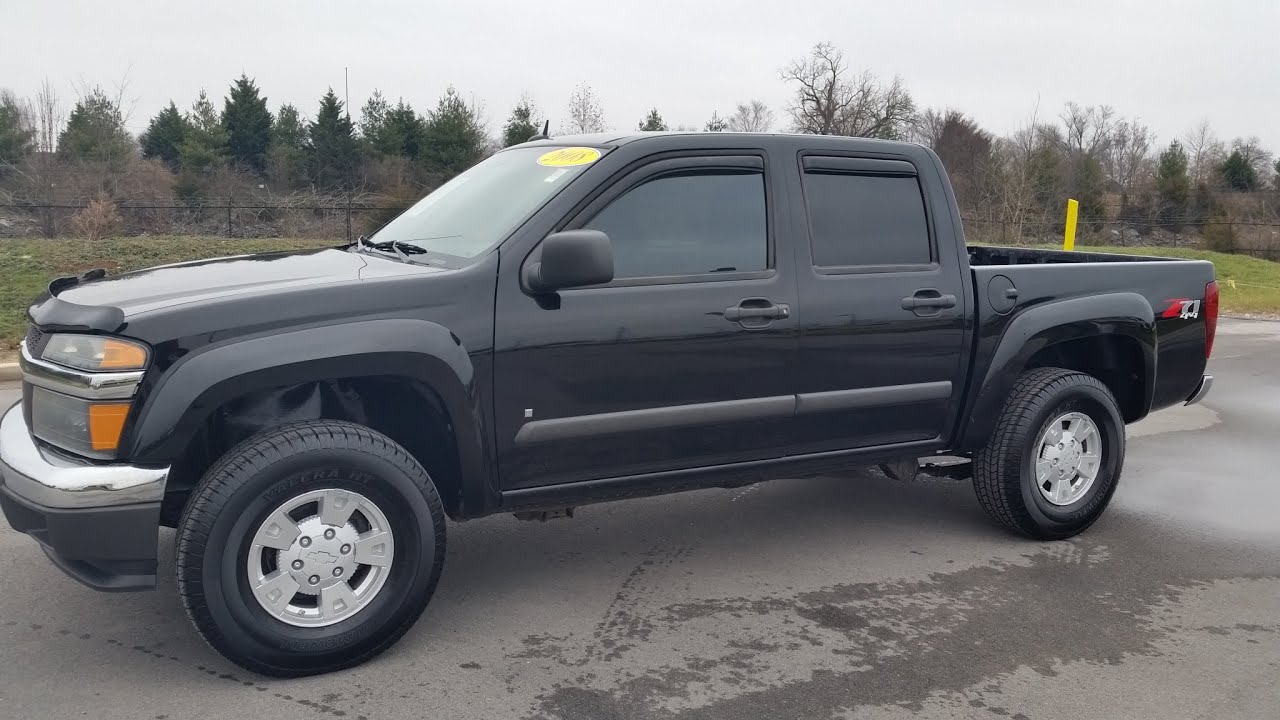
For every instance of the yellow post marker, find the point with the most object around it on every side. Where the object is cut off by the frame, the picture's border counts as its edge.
(1069, 237)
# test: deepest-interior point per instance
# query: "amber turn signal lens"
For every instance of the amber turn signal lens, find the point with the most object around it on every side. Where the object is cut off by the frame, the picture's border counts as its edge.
(106, 422)
(122, 355)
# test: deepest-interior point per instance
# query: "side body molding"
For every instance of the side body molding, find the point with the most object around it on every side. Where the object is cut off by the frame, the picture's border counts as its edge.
(1111, 314)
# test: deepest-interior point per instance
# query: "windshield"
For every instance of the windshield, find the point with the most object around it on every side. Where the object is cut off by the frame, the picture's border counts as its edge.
(479, 208)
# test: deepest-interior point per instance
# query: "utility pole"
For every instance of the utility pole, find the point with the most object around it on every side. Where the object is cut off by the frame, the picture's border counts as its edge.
(346, 92)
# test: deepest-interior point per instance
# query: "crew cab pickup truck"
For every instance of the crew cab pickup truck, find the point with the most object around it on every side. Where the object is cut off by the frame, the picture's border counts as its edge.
(572, 320)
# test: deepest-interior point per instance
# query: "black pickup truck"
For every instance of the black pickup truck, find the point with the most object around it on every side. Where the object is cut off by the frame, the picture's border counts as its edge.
(571, 321)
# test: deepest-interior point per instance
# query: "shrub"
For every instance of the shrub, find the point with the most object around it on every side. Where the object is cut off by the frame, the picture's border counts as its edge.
(1218, 234)
(97, 220)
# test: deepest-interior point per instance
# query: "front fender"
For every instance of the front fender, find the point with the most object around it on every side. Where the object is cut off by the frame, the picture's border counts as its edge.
(179, 404)
(1042, 326)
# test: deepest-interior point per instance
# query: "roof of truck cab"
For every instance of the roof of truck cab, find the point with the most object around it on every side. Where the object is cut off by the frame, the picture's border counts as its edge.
(617, 139)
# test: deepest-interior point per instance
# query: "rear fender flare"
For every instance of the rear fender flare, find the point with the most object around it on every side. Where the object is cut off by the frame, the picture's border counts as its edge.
(1111, 314)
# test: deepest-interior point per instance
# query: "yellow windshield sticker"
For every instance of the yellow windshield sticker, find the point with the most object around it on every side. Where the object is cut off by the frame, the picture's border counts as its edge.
(569, 157)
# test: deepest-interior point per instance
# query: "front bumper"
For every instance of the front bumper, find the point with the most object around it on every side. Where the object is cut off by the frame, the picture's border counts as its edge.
(96, 522)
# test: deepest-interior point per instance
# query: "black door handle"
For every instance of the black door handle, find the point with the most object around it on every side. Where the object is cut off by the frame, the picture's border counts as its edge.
(757, 309)
(928, 300)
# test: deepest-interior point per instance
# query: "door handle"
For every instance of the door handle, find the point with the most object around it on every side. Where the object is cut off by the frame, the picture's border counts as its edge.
(928, 300)
(757, 309)
(774, 312)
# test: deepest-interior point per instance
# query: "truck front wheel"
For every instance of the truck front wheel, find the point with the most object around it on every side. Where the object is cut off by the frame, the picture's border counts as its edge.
(1052, 464)
(309, 548)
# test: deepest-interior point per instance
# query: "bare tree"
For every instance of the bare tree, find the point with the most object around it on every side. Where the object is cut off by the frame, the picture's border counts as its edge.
(830, 102)
(1088, 130)
(1020, 173)
(880, 110)
(1128, 160)
(928, 127)
(39, 175)
(822, 94)
(751, 116)
(49, 116)
(585, 113)
(1204, 150)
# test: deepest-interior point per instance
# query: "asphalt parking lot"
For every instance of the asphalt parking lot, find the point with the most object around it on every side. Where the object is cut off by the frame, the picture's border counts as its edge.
(850, 597)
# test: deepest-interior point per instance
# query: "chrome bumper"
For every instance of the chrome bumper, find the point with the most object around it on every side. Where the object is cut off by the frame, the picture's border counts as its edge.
(44, 478)
(1201, 390)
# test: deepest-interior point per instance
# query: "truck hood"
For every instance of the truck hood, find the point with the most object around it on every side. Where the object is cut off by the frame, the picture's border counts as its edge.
(144, 291)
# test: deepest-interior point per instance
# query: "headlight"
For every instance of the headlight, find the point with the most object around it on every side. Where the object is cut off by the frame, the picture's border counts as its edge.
(82, 389)
(95, 352)
(85, 427)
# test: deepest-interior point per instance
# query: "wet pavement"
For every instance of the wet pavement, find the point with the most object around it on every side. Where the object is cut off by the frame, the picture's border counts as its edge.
(849, 597)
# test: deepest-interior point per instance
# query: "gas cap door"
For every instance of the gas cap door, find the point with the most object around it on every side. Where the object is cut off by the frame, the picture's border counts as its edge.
(1002, 294)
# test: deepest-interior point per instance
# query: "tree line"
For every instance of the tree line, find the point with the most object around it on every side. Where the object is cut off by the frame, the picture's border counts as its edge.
(239, 145)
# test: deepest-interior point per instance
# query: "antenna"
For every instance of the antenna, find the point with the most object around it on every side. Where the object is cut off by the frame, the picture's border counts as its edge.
(544, 135)
(346, 92)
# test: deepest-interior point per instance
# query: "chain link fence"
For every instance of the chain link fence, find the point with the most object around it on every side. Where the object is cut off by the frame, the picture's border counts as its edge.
(1255, 238)
(336, 220)
(346, 218)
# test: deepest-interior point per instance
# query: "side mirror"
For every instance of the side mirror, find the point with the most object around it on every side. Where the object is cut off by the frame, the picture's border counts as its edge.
(570, 259)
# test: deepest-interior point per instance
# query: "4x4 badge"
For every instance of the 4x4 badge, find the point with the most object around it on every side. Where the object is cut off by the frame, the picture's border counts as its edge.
(1182, 308)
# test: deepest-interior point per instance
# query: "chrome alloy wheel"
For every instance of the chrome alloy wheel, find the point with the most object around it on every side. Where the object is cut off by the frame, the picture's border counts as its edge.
(1069, 458)
(320, 558)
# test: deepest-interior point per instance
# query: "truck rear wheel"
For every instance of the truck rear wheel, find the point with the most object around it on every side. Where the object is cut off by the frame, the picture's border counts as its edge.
(1053, 462)
(309, 548)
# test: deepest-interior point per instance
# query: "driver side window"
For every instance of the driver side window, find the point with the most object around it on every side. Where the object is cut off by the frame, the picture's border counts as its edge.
(688, 223)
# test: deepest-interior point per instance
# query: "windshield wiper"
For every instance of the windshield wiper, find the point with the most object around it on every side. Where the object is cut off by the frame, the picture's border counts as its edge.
(402, 249)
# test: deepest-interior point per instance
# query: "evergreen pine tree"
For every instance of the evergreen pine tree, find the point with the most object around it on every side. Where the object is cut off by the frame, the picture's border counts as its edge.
(17, 136)
(1238, 173)
(1173, 183)
(522, 124)
(247, 122)
(286, 163)
(332, 151)
(653, 122)
(164, 135)
(95, 130)
(205, 147)
(454, 139)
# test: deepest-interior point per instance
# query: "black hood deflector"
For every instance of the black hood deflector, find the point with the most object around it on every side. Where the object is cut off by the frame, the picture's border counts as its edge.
(52, 313)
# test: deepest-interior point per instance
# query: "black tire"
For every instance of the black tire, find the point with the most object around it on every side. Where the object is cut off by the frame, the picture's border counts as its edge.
(246, 485)
(1004, 473)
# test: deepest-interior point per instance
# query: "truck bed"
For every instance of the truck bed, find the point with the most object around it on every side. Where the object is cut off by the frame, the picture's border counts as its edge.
(1045, 277)
(991, 255)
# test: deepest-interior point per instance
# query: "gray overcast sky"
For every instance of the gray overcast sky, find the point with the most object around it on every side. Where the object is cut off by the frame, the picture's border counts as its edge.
(1168, 62)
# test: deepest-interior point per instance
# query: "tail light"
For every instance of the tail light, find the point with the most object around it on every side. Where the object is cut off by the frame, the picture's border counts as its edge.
(1210, 316)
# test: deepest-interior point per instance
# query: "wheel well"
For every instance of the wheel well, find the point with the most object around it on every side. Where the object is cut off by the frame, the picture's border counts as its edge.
(405, 410)
(1114, 359)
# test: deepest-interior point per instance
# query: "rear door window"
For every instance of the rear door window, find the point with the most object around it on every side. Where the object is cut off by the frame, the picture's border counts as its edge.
(866, 219)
